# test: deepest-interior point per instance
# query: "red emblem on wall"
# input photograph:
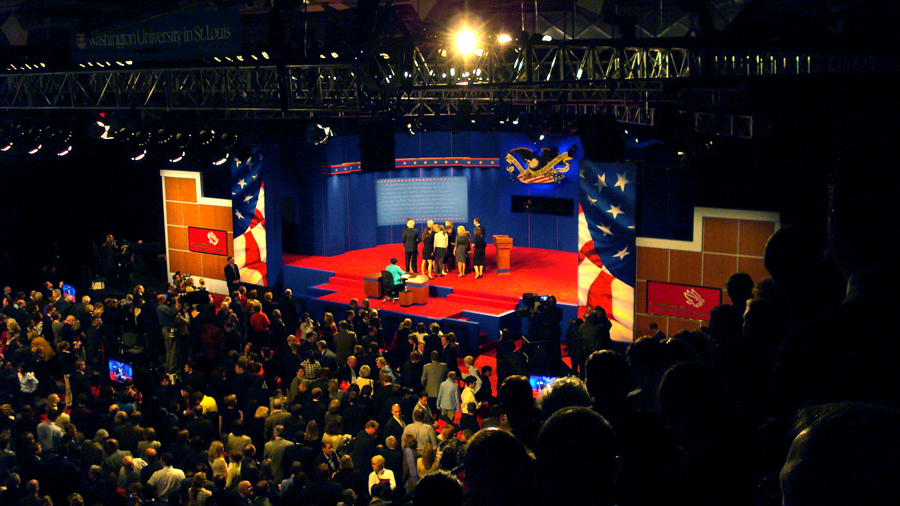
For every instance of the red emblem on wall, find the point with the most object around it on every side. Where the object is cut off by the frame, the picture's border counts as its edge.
(204, 240)
(682, 301)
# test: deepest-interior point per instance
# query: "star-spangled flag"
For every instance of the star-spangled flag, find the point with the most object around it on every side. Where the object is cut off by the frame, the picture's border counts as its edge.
(606, 242)
(249, 219)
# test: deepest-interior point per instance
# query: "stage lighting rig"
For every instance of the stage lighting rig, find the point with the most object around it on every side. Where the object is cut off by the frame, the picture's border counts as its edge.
(317, 134)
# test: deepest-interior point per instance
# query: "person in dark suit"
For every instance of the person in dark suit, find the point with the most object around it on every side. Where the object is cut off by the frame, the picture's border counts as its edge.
(364, 445)
(288, 309)
(450, 259)
(232, 275)
(395, 425)
(411, 240)
(478, 226)
(478, 249)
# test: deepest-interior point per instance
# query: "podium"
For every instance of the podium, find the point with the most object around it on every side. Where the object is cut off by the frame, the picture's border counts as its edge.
(503, 243)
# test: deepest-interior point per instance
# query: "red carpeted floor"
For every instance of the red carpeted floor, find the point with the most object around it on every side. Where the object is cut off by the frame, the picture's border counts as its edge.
(531, 270)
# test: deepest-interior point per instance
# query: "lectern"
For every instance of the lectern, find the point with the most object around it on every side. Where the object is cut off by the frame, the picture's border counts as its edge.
(503, 243)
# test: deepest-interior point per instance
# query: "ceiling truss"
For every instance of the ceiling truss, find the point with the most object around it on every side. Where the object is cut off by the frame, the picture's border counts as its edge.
(627, 81)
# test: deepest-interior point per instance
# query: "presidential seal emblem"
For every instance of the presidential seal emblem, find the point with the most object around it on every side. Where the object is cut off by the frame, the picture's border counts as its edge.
(549, 166)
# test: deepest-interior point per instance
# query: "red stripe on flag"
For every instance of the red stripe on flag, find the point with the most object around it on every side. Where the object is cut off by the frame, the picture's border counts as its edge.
(600, 293)
(253, 259)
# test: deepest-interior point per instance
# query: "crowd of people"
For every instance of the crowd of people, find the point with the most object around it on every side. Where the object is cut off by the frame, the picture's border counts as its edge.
(788, 396)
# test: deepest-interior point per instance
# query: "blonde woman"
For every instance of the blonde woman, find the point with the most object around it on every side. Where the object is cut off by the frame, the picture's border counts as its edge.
(216, 458)
(380, 474)
(463, 242)
(198, 493)
(363, 378)
(427, 463)
(440, 250)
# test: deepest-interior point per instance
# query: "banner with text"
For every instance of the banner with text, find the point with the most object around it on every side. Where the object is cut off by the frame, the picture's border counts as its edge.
(193, 34)
(682, 301)
(204, 240)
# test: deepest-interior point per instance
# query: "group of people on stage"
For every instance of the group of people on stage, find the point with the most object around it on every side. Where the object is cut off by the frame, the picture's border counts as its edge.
(442, 247)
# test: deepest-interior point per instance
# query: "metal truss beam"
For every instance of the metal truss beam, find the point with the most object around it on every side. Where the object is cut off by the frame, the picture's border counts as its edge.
(627, 81)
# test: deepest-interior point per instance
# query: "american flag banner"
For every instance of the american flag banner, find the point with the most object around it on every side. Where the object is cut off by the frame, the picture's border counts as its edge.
(606, 242)
(249, 218)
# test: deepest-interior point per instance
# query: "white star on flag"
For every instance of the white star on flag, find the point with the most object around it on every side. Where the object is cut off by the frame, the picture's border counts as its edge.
(581, 173)
(615, 211)
(253, 176)
(248, 198)
(593, 201)
(239, 215)
(605, 229)
(621, 255)
(622, 181)
(601, 182)
(242, 184)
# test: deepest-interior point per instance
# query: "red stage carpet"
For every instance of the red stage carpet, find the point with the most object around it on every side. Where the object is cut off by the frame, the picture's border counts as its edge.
(546, 272)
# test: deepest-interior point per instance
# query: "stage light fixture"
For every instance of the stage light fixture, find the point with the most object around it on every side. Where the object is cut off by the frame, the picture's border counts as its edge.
(504, 38)
(465, 42)
(546, 38)
(317, 134)
(32, 140)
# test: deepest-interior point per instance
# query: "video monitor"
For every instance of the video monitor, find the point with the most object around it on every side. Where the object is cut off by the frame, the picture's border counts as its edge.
(68, 291)
(120, 371)
(539, 383)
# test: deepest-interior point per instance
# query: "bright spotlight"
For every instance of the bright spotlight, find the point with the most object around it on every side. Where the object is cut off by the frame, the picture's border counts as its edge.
(222, 160)
(546, 38)
(6, 147)
(465, 42)
(65, 151)
(504, 38)
(178, 158)
(140, 156)
(35, 150)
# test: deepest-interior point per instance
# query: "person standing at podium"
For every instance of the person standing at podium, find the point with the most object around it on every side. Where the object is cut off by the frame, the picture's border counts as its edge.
(411, 240)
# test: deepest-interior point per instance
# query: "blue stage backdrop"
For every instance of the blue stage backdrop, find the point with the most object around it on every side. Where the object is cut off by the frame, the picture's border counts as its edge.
(336, 204)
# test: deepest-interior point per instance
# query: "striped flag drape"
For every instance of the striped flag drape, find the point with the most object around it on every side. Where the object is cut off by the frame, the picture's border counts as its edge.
(249, 218)
(606, 242)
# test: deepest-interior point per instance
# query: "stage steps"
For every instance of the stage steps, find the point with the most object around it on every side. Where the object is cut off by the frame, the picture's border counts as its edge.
(474, 301)
(346, 280)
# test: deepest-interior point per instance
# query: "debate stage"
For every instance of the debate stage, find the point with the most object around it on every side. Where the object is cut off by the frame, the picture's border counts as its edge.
(487, 303)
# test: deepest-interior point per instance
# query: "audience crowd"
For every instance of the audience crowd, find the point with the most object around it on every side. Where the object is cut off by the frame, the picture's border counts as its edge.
(789, 395)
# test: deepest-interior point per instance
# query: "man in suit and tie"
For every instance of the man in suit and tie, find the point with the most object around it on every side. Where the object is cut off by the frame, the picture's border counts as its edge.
(411, 240)
(232, 275)
(479, 226)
